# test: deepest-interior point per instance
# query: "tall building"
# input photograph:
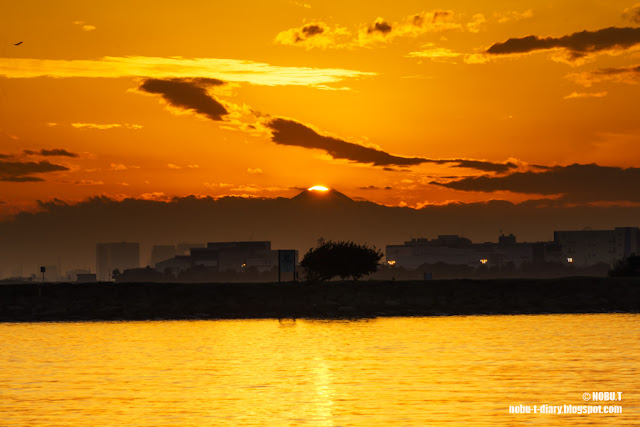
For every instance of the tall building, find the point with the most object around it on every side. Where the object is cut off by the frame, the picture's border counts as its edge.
(111, 256)
(590, 247)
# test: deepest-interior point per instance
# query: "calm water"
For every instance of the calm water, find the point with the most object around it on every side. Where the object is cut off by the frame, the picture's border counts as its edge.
(384, 372)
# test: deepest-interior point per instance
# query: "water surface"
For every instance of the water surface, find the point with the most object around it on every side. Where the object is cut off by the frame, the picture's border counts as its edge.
(453, 371)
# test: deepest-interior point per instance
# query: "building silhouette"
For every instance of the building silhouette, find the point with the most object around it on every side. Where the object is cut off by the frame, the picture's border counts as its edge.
(111, 256)
(162, 253)
(226, 257)
(590, 247)
(455, 250)
(185, 248)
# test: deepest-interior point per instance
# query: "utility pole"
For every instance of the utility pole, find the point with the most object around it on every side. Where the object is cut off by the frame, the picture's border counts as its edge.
(42, 270)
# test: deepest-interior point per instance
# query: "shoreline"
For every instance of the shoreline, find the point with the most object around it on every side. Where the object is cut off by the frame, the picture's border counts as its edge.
(32, 302)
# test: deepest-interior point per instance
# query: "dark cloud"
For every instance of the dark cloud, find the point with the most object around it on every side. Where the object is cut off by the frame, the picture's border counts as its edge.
(370, 187)
(617, 71)
(577, 183)
(439, 15)
(289, 132)
(21, 179)
(373, 187)
(577, 44)
(53, 152)
(312, 29)
(477, 164)
(22, 171)
(308, 31)
(190, 94)
(4, 156)
(379, 27)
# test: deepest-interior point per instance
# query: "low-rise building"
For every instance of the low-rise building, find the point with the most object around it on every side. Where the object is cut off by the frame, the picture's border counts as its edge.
(456, 250)
(226, 256)
(589, 247)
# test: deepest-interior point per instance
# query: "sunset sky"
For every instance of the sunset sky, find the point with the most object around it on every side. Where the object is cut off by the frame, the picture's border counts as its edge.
(404, 103)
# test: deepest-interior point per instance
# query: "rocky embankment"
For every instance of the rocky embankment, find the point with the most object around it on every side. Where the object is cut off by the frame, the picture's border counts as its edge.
(142, 301)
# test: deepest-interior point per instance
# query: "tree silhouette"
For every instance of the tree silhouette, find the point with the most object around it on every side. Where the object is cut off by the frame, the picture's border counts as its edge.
(628, 267)
(342, 259)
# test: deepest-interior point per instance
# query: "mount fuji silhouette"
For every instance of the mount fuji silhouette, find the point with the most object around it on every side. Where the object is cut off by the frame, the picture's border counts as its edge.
(318, 198)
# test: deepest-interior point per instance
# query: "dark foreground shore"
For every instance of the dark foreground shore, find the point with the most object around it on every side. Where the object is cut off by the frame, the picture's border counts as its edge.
(142, 301)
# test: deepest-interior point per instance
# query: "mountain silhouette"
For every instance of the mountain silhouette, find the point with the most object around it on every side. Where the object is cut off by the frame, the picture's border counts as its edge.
(328, 198)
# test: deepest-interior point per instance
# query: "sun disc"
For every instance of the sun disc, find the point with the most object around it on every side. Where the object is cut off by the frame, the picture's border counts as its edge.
(318, 188)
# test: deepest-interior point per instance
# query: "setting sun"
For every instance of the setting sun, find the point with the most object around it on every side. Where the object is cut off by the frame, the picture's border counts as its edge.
(318, 188)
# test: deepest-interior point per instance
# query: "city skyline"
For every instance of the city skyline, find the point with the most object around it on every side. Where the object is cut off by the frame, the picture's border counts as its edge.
(66, 235)
(403, 104)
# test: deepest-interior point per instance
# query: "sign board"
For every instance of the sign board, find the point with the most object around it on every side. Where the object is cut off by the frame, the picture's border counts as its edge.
(287, 260)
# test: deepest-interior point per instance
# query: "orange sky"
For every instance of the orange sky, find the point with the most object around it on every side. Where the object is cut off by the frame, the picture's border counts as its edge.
(115, 85)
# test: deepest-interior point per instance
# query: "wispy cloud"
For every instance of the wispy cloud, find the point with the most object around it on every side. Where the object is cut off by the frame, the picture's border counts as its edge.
(629, 75)
(231, 70)
(157, 196)
(382, 31)
(319, 34)
(632, 13)
(118, 167)
(85, 26)
(434, 53)
(105, 126)
(578, 95)
(315, 35)
(88, 182)
(513, 16)
(477, 23)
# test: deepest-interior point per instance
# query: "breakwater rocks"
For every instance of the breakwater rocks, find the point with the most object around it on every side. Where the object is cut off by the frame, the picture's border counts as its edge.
(142, 301)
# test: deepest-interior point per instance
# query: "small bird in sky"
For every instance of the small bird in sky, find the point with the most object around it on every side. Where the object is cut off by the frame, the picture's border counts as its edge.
(17, 44)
